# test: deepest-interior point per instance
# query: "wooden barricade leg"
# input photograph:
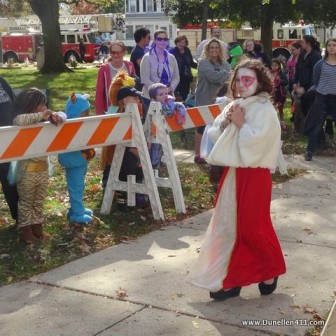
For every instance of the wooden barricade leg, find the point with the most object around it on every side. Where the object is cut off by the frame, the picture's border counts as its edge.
(149, 186)
(173, 181)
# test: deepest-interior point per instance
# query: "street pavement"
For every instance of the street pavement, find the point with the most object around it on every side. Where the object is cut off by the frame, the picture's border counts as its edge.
(139, 288)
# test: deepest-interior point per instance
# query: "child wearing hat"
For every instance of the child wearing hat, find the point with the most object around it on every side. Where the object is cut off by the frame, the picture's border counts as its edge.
(131, 164)
(76, 163)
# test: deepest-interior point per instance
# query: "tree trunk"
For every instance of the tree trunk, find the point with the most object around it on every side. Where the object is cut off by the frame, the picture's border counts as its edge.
(266, 35)
(205, 19)
(48, 13)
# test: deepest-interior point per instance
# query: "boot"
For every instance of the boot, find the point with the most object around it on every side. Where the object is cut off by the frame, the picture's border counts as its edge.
(26, 234)
(37, 230)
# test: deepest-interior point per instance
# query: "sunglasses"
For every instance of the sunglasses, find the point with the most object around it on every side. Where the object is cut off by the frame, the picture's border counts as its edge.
(160, 39)
(116, 52)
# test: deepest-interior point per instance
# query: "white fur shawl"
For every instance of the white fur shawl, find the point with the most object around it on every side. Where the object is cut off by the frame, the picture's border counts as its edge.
(256, 144)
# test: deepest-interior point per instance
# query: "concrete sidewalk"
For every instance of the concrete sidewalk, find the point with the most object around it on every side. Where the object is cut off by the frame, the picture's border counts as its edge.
(86, 297)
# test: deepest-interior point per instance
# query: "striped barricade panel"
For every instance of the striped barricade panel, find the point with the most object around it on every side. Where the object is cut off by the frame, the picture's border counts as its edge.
(75, 134)
(196, 117)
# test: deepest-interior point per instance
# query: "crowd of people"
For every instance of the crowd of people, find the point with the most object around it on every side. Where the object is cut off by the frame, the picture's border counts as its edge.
(241, 246)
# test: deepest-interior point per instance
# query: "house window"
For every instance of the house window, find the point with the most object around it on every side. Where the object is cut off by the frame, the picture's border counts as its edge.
(155, 6)
(150, 5)
(129, 32)
(144, 2)
(133, 6)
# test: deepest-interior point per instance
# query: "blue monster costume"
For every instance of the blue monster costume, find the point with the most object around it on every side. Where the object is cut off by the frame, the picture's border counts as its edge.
(75, 164)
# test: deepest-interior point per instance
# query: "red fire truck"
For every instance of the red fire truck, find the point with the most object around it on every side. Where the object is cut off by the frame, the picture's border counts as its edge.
(283, 35)
(22, 38)
(20, 46)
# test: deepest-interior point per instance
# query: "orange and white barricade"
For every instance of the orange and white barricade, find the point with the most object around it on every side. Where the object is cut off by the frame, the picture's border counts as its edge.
(122, 130)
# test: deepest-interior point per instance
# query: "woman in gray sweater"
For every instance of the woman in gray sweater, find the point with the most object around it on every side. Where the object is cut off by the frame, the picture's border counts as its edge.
(159, 66)
(213, 71)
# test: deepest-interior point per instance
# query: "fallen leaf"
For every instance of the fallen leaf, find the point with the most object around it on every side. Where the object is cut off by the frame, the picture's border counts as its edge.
(121, 293)
(295, 306)
(309, 310)
(84, 248)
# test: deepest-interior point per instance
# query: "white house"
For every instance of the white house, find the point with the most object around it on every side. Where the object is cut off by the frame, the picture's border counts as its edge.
(148, 14)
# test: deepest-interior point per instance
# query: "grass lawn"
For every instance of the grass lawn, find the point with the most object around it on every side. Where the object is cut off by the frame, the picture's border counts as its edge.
(19, 261)
(81, 80)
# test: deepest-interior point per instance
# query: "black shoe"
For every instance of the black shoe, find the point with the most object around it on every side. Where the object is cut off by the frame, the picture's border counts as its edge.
(225, 294)
(268, 289)
(308, 156)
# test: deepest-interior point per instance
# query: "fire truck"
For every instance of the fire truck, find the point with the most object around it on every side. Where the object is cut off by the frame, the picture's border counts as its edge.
(22, 46)
(283, 35)
(22, 38)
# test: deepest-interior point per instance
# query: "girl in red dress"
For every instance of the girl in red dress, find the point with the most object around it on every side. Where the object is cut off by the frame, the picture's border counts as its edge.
(241, 247)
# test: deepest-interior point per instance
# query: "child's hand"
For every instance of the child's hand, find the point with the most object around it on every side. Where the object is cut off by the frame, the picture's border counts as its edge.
(237, 115)
(46, 114)
(57, 118)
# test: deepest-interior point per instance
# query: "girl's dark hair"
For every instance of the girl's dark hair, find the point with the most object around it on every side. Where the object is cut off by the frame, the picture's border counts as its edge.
(28, 100)
(265, 83)
(331, 39)
(181, 38)
(277, 61)
(297, 45)
(312, 41)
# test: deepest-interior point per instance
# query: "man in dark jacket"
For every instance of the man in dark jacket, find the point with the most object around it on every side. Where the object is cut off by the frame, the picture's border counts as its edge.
(6, 119)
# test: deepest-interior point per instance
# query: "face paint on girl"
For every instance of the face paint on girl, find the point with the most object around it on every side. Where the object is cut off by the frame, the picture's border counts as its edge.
(246, 82)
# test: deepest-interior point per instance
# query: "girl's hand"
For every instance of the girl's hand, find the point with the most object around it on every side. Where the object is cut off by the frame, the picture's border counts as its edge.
(236, 115)
(57, 118)
(46, 114)
(225, 123)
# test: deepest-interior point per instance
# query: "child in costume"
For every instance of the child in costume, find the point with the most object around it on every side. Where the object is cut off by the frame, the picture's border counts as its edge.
(159, 93)
(32, 175)
(75, 164)
(279, 82)
(131, 164)
(121, 79)
(241, 246)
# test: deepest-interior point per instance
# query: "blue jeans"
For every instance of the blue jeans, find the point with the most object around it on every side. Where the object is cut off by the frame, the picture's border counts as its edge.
(320, 115)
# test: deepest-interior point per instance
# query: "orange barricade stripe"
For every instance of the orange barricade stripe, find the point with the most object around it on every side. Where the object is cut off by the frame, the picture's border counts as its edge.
(102, 132)
(214, 110)
(21, 142)
(153, 129)
(64, 136)
(196, 117)
(174, 126)
(128, 134)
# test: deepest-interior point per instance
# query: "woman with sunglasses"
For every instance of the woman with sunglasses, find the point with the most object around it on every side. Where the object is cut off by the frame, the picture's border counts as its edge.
(107, 72)
(159, 66)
